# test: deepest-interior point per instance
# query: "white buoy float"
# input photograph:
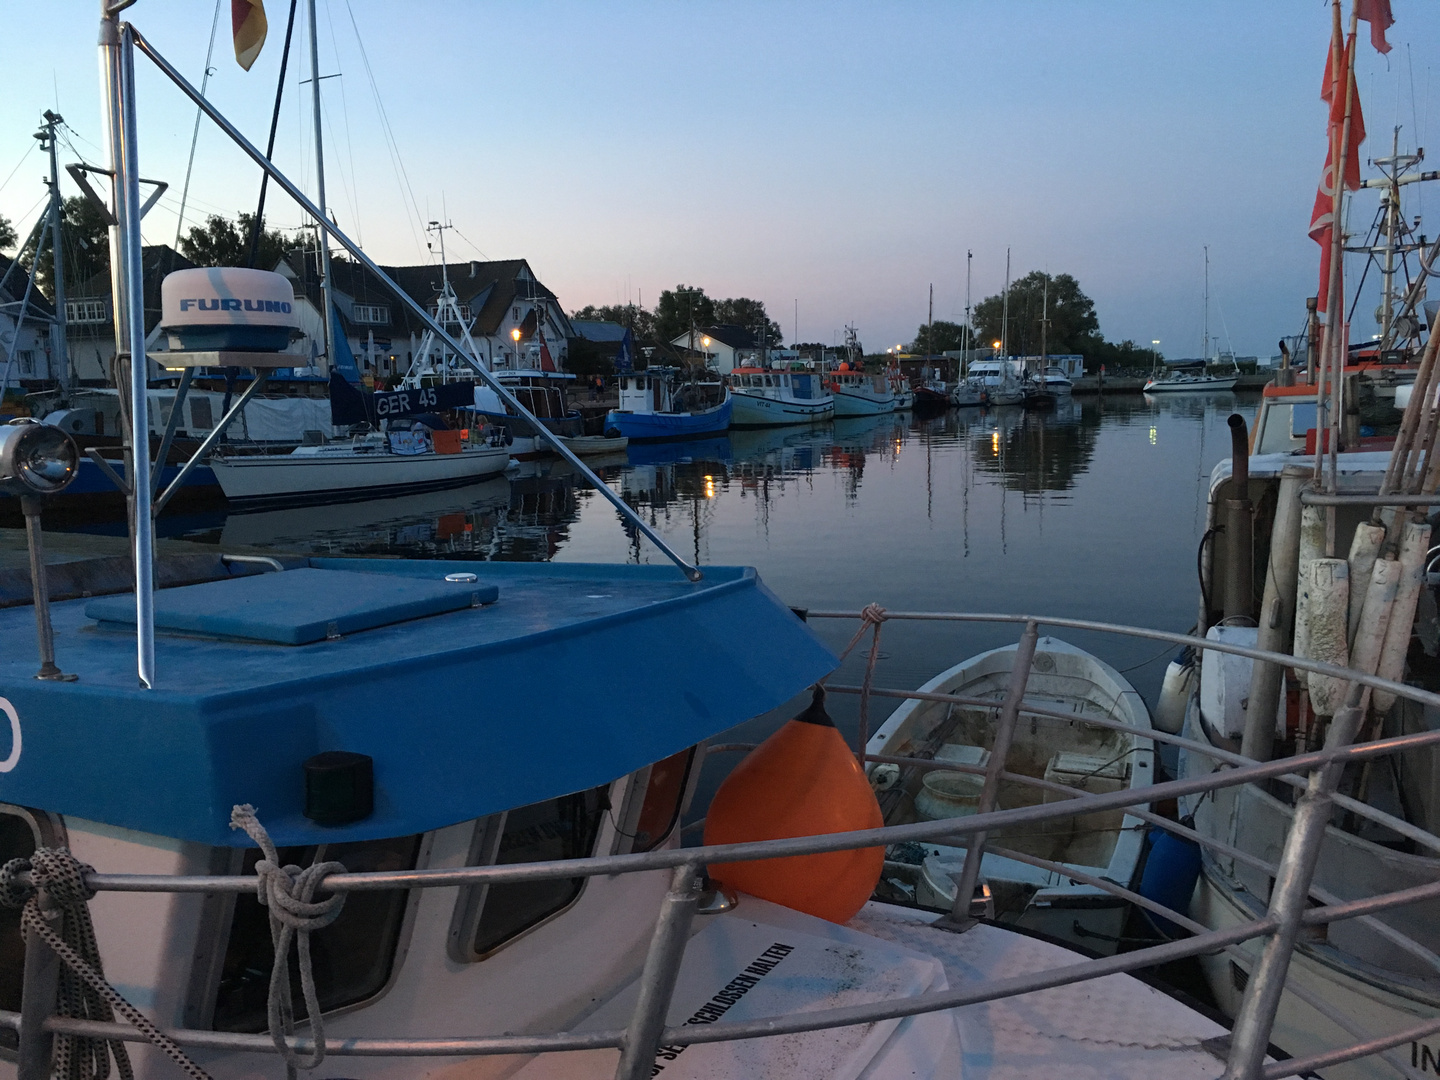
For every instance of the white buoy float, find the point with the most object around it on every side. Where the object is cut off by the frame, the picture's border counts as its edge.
(1328, 589)
(1364, 550)
(1414, 541)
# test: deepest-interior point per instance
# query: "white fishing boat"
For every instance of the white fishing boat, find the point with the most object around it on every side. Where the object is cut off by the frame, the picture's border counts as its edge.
(762, 397)
(366, 466)
(1055, 744)
(858, 393)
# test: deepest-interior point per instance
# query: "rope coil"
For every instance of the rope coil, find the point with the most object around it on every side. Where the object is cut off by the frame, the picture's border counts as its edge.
(57, 895)
(289, 894)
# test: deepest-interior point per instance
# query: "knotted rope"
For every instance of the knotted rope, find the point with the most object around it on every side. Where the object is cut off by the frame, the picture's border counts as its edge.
(871, 616)
(289, 893)
(58, 895)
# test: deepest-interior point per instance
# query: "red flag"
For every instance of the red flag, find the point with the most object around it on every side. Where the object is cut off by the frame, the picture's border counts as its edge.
(546, 363)
(1322, 214)
(1377, 14)
(247, 23)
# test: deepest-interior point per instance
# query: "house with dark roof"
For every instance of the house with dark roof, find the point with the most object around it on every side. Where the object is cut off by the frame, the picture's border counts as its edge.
(25, 328)
(723, 348)
(90, 315)
(502, 303)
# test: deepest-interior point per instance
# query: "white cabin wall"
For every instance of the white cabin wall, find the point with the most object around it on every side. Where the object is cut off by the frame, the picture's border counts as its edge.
(147, 940)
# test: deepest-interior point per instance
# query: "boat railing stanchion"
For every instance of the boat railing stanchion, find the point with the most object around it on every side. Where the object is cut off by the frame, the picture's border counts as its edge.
(657, 980)
(39, 993)
(1288, 899)
(960, 917)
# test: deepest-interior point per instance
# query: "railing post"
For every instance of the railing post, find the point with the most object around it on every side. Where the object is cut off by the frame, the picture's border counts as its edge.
(657, 981)
(959, 917)
(37, 1003)
(1288, 897)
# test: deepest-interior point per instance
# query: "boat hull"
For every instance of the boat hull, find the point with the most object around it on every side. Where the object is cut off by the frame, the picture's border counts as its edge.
(266, 478)
(849, 403)
(755, 411)
(1205, 384)
(653, 427)
(932, 400)
(596, 445)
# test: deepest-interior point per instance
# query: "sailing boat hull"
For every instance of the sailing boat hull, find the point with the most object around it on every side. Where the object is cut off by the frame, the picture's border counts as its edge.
(273, 478)
(1191, 384)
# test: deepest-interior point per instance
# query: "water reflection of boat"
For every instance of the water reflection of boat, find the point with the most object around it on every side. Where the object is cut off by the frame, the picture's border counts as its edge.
(864, 431)
(667, 453)
(310, 527)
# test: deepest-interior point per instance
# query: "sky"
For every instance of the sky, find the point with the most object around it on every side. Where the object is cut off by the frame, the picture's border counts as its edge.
(832, 159)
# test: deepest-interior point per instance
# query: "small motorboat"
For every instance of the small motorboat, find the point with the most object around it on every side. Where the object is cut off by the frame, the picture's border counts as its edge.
(595, 445)
(1064, 682)
(932, 395)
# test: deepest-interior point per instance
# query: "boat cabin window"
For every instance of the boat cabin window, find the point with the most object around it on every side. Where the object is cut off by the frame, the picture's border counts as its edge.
(657, 801)
(352, 958)
(21, 832)
(488, 916)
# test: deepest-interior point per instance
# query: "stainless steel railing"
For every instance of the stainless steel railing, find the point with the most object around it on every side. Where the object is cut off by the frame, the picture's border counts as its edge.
(1315, 772)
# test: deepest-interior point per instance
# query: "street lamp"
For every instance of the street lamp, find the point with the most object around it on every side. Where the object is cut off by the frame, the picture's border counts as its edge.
(1154, 355)
(515, 337)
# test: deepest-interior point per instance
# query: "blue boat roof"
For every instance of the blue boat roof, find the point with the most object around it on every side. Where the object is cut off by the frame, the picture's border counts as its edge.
(565, 676)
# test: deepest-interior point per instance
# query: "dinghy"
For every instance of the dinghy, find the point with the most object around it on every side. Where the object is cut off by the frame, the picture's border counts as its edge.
(1054, 743)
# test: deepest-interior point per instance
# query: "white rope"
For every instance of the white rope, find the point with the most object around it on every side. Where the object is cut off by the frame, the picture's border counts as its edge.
(288, 891)
(84, 992)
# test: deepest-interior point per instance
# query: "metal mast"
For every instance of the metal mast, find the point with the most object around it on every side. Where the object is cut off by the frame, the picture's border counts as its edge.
(59, 350)
(1005, 311)
(969, 332)
(325, 301)
(1205, 341)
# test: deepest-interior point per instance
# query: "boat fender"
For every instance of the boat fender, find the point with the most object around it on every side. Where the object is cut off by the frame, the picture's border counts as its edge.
(1414, 542)
(1328, 589)
(801, 781)
(1175, 692)
(1364, 550)
(1172, 869)
(613, 433)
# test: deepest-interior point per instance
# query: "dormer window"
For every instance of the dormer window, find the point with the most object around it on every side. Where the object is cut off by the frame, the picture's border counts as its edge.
(371, 314)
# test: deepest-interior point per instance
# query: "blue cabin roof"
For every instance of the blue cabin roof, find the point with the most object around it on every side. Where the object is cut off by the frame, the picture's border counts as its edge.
(542, 680)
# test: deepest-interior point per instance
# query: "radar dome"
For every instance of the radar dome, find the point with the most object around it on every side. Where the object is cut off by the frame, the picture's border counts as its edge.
(227, 308)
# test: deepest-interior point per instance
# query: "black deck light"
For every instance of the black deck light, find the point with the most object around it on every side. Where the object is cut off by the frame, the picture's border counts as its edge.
(37, 460)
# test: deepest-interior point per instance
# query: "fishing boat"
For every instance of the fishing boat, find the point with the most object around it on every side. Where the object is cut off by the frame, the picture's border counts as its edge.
(857, 393)
(931, 393)
(1054, 744)
(658, 403)
(765, 397)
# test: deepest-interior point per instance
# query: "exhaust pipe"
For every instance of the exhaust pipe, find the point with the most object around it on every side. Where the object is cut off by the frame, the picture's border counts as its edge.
(1239, 527)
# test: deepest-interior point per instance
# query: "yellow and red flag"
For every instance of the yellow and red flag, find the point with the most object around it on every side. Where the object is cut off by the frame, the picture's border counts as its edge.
(247, 20)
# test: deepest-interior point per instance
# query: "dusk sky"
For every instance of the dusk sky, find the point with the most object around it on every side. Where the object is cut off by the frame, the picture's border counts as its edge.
(845, 155)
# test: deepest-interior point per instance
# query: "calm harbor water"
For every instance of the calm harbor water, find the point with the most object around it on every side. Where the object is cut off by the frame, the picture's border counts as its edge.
(1093, 510)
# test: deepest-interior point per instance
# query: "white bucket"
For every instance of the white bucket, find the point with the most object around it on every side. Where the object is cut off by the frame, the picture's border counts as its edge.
(945, 794)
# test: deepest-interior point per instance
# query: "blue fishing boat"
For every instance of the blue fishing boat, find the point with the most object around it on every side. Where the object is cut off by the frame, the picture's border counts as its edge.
(658, 403)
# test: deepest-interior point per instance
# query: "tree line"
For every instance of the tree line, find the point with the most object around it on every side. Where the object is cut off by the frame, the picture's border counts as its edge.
(1043, 309)
(683, 308)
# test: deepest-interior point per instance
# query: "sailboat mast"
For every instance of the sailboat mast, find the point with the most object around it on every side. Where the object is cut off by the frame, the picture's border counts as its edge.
(930, 325)
(1392, 222)
(1005, 310)
(324, 233)
(1205, 341)
(59, 350)
(969, 338)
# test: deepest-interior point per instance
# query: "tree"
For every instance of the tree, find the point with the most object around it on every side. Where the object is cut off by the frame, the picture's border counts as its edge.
(1073, 326)
(7, 234)
(946, 336)
(85, 235)
(749, 314)
(222, 242)
(681, 308)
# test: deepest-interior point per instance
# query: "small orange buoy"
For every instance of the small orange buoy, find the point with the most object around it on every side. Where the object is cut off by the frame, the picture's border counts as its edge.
(801, 781)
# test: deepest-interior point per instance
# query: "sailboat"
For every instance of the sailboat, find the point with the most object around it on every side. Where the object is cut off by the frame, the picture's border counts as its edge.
(1186, 381)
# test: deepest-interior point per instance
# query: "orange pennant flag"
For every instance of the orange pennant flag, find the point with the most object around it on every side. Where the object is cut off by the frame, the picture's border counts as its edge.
(247, 20)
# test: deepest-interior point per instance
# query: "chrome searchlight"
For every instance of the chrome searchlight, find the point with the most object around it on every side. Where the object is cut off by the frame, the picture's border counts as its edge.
(37, 460)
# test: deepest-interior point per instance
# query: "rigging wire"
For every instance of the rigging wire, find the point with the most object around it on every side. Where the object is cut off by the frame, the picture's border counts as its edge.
(353, 190)
(195, 135)
(471, 243)
(13, 171)
(396, 161)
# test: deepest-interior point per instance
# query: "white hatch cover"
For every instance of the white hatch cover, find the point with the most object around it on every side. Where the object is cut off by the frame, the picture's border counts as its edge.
(739, 968)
